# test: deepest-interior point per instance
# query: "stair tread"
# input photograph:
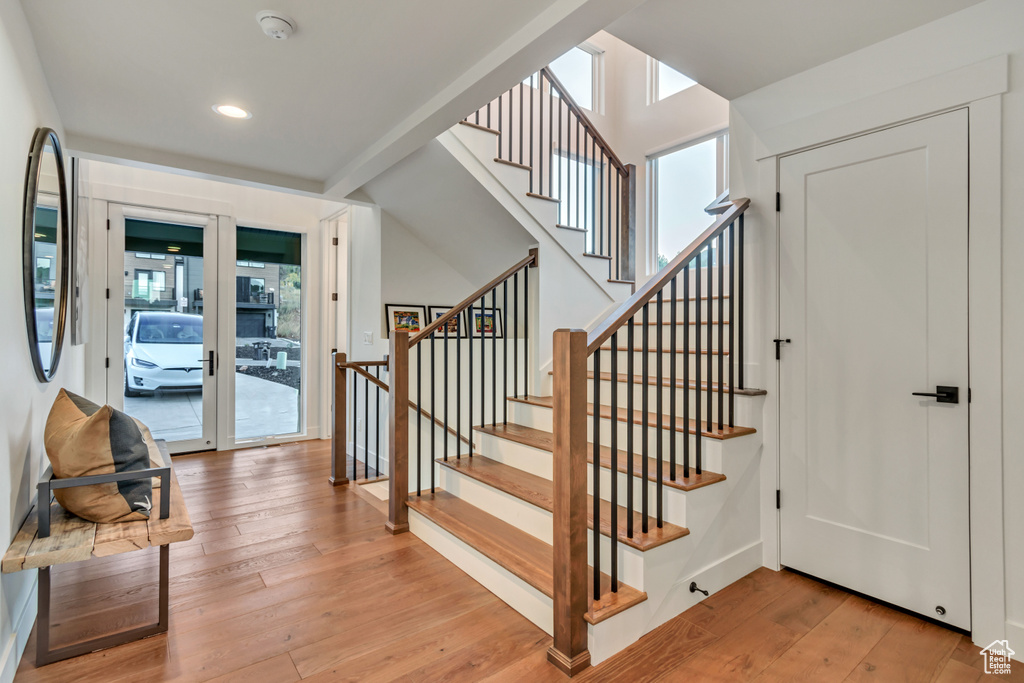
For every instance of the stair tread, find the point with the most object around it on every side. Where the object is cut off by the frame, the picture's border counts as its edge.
(569, 227)
(542, 196)
(680, 322)
(479, 127)
(545, 441)
(622, 282)
(540, 492)
(681, 425)
(640, 349)
(512, 163)
(679, 384)
(525, 556)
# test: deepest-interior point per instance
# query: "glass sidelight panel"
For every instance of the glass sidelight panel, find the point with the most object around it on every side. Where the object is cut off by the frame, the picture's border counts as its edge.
(268, 334)
(164, 361)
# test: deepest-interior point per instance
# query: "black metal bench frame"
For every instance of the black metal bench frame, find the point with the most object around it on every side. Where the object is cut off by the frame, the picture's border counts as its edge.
(47, 484)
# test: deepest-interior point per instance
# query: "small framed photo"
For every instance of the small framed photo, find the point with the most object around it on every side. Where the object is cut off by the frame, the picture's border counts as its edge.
(456, 326)
(486, 322)
(409, 317)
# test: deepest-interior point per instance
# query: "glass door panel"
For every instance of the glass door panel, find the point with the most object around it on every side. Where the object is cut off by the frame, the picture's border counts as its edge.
(166, 378)
(268, 334)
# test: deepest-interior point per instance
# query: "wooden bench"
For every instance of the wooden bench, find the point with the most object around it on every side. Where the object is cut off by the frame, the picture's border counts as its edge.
(50, 535)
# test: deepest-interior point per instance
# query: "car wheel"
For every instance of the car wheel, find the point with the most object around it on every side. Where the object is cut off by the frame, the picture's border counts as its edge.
(127, 390)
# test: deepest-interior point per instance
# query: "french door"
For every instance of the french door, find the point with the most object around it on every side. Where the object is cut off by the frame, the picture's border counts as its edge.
(874, 393)
(161, 336)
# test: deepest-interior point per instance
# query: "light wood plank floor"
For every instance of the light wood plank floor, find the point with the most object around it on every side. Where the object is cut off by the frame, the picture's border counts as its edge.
(288, 578)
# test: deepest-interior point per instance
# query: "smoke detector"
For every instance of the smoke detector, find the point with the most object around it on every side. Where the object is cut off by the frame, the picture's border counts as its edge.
(276, 25)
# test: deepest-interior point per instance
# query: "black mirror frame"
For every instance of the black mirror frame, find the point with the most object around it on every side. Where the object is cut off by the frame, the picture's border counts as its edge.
(39, 140)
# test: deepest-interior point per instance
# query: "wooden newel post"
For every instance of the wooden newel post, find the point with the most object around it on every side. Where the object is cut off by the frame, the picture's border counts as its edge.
(569, 649)
(627, 225)
(398, 433)
(339, 444)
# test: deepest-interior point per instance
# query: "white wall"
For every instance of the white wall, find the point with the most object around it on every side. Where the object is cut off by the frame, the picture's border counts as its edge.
(934, 67)
(25, 402)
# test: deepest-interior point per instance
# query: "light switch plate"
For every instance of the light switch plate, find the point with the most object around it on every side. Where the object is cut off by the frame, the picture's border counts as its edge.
(368, 337)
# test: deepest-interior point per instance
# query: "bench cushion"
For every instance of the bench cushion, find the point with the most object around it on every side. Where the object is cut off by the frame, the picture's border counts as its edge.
(83, 438)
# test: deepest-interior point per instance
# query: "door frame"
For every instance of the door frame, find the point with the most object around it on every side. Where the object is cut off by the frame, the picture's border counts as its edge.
(979, 87)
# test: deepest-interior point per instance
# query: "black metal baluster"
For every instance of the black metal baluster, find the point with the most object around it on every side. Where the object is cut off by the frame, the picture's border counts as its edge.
(511, 130)
(494, 357)
(599, 179)
(644, 467)
(720, 252)
(631, 350)
(576, 176)
(618, 218)
(526, 331)
(355, 423)
(433, 408)
(551, 137)
(533, 186)
(596, 445)
(366, 429)
(469, 346)
(673, 388)
(444, 432)
(660, 476)
(614, 360)
(499, 124)
(739, 304)
(732, 323)
(686, 371)
(711, 339)
(515, 334)
(504, 354)
(698, 362)
(376, 461)
(419, 415)
(522, 126)
(460, 333)
(488, 114)
(483, 360)
(560, 154)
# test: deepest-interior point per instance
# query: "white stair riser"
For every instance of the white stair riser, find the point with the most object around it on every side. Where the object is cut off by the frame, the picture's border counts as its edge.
(536, 521)
(622, 336)
(681, 360)
(518, 594)
(743, 414)
(673, 500)
(540, 417)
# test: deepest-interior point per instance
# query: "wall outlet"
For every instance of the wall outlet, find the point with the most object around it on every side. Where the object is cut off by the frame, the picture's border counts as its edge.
(359, 426)
(368, 337)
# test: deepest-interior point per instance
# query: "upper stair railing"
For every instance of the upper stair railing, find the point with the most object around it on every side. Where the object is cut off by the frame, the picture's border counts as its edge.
(497, 312)
(709, 276)
(542, 129)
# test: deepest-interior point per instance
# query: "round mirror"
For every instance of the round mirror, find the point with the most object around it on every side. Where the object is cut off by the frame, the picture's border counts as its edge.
(45, 252)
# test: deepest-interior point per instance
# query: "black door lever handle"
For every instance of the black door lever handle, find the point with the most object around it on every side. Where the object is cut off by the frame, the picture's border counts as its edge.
(942, 394)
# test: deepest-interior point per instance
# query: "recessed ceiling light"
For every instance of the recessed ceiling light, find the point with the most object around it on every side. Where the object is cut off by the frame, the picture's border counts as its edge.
(231, 111)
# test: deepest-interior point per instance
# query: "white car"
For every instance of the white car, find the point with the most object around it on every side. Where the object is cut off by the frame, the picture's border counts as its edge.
(163, 351)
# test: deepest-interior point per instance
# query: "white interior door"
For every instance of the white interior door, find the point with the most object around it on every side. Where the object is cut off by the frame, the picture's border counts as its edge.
(873, 295)
(161, 337)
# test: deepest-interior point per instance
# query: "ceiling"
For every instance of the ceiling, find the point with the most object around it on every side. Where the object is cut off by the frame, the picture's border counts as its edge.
(754, 43)
(358, 86)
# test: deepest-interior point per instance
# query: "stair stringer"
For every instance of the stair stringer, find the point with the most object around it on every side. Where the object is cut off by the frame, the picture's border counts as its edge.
(723, 546)
(475, 150)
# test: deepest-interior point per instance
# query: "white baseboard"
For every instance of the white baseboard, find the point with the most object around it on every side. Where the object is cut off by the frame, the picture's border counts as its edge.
(14, 648)
(1015, 634)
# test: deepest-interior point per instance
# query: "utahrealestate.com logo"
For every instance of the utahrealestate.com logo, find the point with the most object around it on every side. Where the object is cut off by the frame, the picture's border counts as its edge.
(997, 657)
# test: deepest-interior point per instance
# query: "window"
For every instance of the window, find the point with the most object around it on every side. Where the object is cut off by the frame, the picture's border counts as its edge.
(683, 182)
(580, 71)
(257, 285)
(665, 81)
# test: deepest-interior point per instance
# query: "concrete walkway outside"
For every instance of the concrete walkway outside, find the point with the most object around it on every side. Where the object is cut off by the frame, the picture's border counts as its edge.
(262, 408)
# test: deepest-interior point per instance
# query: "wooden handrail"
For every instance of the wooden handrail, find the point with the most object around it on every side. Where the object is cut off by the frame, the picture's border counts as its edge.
(591, 129)
(370, 378)
(720, 204)
(530, 260)
(367, 363)
(634, 303)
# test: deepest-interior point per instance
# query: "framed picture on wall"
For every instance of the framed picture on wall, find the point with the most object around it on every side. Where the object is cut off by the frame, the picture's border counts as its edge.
(409, 317)
(456, 326)
(486, 322)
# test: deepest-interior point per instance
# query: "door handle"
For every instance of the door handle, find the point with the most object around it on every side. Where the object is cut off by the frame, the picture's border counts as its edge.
(778, 347)
(942, 394)
(210, 361)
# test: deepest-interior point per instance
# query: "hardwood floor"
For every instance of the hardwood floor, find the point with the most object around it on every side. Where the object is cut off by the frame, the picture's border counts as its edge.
(289, 578)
